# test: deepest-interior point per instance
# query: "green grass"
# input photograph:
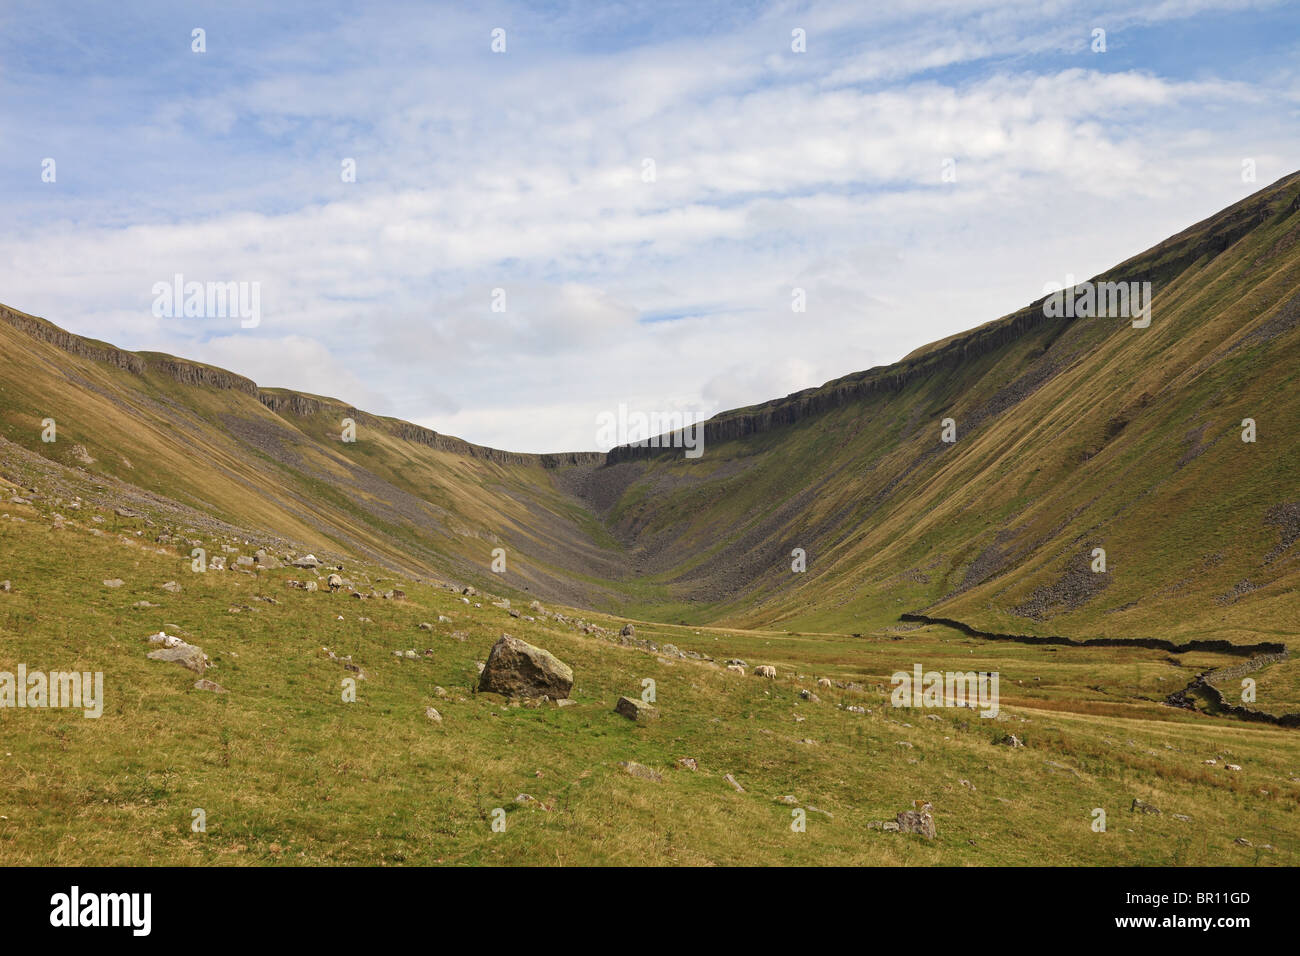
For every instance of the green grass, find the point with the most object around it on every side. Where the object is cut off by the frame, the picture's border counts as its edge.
(288, 773)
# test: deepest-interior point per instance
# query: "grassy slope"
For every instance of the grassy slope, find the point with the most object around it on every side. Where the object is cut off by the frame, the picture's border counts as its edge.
(287, 773)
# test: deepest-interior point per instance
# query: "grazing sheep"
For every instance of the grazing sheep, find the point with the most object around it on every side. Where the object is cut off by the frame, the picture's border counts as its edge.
(823, 682)
(334, 581)
(736, 667)
(765, 670)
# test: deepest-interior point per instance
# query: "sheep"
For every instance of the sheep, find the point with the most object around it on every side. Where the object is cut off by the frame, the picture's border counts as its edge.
(334, 581)
(765, 670)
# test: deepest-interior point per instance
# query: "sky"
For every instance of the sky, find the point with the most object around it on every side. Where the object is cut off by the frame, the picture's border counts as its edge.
(623, 204)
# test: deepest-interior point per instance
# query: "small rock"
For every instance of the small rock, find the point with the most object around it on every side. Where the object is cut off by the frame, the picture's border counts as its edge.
(205, 684)
(917, 821)
(1142, 807)
(641, 771)
(635, 710)
(433, 715)
(688, 763)
(729, 779)
(113, 583)
(172, 587)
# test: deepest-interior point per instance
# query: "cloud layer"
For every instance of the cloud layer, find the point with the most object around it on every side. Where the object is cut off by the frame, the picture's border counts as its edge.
(621, 206)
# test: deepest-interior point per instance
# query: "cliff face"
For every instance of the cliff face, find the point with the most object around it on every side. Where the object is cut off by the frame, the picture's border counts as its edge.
(86, 348)
(280, 401)
(284, 402)
(195, 373)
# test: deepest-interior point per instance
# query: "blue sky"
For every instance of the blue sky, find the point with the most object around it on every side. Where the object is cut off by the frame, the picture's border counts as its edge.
(523, 171)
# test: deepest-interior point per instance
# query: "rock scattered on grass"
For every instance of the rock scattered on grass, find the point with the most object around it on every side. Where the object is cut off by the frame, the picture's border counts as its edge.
(641, 771)
(635, 710)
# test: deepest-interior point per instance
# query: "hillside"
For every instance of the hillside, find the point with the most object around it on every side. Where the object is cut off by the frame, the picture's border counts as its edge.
(1072, 434)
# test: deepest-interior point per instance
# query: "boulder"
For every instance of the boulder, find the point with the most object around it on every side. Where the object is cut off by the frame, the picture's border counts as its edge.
(307, 561)
(205, 684)
(265, 559)
(628, 631)
(515, 668)
(635, 710)
(187, 655)
(917, 821)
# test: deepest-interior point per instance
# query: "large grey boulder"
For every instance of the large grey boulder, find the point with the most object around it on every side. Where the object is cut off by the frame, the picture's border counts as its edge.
(516, 668)
(187, 655)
